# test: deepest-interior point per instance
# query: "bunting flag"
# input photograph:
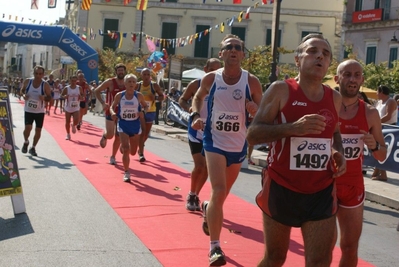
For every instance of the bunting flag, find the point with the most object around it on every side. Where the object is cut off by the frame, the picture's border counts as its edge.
(134, 37)
(119, 40)
(222, 27)
(231, 21)
(240, 16)
(34, 4)
(86, 4)
(264, 2)
(100, 32)
(84, 37)
(236, 2)
(142, 4)
(247, 14)
(107, 1)
(52, 4)
(126, 2)
(68, 4)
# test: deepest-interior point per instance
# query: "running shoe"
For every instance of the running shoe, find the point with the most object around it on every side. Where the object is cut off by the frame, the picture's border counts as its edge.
(204, 206)
(141, 158)
(193, 203)
(25, 148)
(73, 128)
(112, 160)
(250, 162)
(103, 141)
(216, 257)
(126, 177)
(32, 151)
(68, 137)
(78, 126)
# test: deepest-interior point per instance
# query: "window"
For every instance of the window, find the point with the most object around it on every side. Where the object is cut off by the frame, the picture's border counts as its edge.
(171, 1)
(269, 37)
(201, 45)
(346, 54)
(169, 31)
(377, 4)
(386, 5)
(358, 5)
(13, 64)
(371, 54)
(20, 64)
(239, 31)
(113, 26)
(393, 55)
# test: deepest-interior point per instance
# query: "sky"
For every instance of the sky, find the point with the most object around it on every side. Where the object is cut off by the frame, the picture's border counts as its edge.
(22, 8)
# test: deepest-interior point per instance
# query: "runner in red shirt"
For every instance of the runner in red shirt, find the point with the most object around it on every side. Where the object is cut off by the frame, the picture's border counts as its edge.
(299, 117)
(360, 126)
(111, 87)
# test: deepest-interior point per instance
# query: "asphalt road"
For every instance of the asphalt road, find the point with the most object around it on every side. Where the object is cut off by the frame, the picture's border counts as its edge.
(379, 242)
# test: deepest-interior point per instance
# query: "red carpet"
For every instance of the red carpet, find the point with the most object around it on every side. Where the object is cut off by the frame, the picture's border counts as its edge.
(153, 205)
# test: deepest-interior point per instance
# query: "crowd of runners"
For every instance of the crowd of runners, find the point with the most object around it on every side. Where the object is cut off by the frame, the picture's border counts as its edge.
(312, 180)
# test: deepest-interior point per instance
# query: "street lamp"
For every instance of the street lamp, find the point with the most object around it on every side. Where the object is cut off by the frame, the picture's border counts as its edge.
(275, 26)
(394, 39)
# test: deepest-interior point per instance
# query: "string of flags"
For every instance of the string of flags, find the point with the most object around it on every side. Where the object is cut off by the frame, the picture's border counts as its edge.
(179, 41)
(142, 5)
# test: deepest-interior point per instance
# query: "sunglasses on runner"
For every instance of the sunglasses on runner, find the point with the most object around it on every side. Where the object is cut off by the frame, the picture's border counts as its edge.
(230, 47)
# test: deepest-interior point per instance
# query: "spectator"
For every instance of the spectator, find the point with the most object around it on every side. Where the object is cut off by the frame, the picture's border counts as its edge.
(388, 110)
(174, 94)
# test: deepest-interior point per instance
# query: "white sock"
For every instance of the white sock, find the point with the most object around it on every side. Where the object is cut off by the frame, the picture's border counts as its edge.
(215, 244)
(192, 193)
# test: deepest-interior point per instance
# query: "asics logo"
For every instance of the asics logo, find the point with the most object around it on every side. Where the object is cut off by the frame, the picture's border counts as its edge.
(297, 103)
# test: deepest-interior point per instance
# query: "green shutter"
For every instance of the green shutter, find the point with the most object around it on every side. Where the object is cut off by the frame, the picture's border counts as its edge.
(113, 26)
(169, 32)
(269, 37)
(370, 54)
(201, 46)
(239, 31)
(358, 5)
(393, 55)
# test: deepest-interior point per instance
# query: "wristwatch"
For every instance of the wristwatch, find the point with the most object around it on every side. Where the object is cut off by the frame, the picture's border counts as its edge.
(377, 146)
(193, 114)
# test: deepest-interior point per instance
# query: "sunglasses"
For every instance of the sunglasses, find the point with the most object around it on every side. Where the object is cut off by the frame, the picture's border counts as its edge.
(230, 47)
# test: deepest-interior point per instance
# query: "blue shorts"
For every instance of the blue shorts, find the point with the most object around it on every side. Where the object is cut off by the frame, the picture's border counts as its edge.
(131, 128)
(149, 117)
(231, 157)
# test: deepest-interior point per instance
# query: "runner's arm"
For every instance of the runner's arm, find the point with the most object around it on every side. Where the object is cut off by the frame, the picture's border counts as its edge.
(192, 87)
(159, 91)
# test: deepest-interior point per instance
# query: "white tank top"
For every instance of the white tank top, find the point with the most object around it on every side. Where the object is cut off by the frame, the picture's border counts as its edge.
(73, 100)
(227, 116)
(382, 110)
(34, 104)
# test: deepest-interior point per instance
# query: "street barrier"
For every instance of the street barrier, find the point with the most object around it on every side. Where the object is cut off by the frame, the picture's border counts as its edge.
(391, 136)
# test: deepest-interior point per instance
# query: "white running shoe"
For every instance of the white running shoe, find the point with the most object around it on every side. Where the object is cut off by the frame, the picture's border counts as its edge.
(68, 137)
(112, 160)
(126, 177)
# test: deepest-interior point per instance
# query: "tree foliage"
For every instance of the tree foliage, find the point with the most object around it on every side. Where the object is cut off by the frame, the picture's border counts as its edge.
(258, 62)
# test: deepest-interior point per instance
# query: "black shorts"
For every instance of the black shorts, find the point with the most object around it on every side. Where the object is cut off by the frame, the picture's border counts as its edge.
(82, 104)
(38, 118)
(293, 209)
(195, 148)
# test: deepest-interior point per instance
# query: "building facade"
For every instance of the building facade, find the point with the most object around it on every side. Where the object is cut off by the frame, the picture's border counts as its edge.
(194, 29)
(371, 30)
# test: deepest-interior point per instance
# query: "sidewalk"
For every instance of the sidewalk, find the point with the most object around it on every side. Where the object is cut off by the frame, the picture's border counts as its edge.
(385, 193)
